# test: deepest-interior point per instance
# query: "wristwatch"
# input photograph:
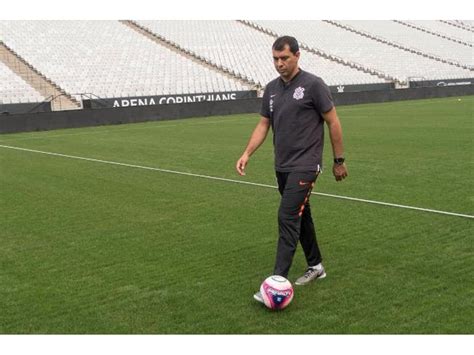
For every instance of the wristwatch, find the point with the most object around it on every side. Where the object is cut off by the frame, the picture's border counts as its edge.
(339, 161)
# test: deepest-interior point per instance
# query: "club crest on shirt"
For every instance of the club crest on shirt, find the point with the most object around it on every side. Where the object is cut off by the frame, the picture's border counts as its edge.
(299, 93)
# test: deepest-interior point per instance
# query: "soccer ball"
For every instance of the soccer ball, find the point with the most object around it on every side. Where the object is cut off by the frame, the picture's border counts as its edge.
(277, 292)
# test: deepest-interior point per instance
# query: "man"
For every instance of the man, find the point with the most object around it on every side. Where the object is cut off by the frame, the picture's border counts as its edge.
(296, 105)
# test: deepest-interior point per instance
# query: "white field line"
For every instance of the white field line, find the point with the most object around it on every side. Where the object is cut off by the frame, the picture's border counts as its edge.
(231, 180)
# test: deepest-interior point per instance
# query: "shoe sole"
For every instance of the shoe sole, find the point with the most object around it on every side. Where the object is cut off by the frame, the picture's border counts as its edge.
(319, 277)
(258, 299)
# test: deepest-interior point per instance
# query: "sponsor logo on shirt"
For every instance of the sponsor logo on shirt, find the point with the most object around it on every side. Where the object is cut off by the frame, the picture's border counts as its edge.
(271, 102)
(299, 93)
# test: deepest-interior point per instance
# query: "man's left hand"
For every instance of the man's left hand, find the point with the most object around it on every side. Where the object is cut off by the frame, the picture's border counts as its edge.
(339, 171)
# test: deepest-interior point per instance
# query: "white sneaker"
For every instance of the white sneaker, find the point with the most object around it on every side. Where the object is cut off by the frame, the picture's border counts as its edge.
(310, 275)
(258, 297)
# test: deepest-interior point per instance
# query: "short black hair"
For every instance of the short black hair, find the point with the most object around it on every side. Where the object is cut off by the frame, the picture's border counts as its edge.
(280, 43)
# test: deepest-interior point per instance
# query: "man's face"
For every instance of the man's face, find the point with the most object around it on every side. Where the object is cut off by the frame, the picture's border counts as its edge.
(286, 63)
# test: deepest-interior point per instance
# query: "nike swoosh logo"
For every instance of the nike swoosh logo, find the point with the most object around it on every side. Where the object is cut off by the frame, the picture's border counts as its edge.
(272, 95)
(302, 183)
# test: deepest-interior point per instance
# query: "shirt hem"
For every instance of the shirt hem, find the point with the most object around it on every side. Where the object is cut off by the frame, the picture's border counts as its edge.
(299, 169)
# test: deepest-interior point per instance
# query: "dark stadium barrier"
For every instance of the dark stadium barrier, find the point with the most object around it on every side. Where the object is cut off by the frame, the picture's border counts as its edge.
(121, 102)
(365, 97)
(107, 116)
(95, 117)
(440, 83)
(12, 109)
(361, 87)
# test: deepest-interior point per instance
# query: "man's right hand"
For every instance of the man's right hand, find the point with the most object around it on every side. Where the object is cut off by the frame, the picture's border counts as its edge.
(241, 164)
(258, 136)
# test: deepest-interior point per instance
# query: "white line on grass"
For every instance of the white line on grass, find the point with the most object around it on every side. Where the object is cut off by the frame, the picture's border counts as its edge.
(231, 180)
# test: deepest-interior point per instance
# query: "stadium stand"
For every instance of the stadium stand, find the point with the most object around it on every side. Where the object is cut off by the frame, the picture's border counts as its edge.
(245, 51)
(445, 29)
(355, 47)
(468, 24)
(49, 91)
(14, 89)
(412, 39)
(459, 24)
(123, 59)
(108, 59)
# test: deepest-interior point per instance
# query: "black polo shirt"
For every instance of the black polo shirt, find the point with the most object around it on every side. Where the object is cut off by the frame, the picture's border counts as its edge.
(295, 112)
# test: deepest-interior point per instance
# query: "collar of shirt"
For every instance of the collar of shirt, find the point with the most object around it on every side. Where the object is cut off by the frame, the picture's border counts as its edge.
(288, 83)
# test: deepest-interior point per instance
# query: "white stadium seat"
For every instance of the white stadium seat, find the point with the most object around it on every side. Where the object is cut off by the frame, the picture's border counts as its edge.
(354, 47)
(109, 59)
(103, 56)
(445, 29)
(415, 39)
(14, 89)
(246, 51)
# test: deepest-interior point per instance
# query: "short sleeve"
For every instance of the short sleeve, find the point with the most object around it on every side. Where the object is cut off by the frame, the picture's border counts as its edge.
(265, 109)
(322, 97)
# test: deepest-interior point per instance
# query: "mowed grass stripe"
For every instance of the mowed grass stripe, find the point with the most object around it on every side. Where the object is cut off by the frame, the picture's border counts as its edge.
(231, 180)
(125, 273)
(403, 152)
(93, 248)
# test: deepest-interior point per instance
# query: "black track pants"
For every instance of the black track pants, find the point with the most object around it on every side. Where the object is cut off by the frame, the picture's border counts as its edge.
(294, 220)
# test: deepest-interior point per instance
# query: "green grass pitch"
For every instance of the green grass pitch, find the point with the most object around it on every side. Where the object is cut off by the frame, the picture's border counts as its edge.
(88, 247)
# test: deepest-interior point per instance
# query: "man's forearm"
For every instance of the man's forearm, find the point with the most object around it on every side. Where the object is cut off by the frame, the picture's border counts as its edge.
(335, 132)
(258, 137)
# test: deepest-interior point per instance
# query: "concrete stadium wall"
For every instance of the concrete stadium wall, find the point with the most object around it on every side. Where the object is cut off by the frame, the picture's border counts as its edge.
(96, 117)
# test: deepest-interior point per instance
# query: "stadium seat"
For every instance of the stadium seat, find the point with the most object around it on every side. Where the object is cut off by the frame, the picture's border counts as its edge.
(109, 59)
(79, 55)
(244, 50)
(356, 48)
(14, 89)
